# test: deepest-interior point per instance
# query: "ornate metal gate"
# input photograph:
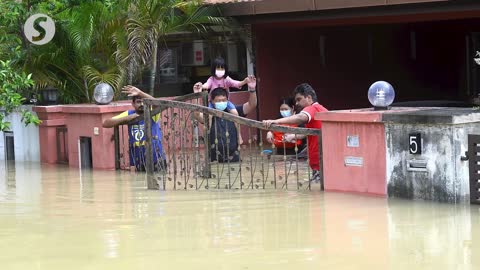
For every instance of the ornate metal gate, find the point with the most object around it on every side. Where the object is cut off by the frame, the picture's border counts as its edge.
(190, 158)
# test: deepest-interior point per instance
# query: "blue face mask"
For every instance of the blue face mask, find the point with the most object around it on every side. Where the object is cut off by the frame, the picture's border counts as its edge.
(221, 106)
(286, 113)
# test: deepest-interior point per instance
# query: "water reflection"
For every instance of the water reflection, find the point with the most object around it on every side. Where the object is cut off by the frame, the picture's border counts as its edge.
(57, 217)
(425, 234)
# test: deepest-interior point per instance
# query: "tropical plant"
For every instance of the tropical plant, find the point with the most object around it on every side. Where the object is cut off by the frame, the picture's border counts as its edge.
(97, 41)
(13, 44)
(10, 33)
(11, 81)
(81, 53)
(150, 21)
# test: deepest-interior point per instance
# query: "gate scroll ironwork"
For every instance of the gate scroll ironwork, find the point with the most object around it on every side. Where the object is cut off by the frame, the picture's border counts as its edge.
(192, 149)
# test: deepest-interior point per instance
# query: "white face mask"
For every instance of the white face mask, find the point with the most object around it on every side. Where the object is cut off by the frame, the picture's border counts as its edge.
(286, 113)
(220, 73)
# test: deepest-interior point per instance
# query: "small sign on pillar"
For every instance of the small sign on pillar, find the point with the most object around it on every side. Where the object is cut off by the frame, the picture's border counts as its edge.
(353, 141)
(415, 143)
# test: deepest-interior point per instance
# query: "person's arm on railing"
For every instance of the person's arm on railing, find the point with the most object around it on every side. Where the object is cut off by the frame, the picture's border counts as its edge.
(120, 119)
(297, 119)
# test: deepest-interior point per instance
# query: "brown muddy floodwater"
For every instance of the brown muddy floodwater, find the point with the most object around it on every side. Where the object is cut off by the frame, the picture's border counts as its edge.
(60, 218)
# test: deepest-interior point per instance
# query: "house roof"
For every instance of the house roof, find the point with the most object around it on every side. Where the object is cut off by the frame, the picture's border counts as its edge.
(227, 1)
(265, 7)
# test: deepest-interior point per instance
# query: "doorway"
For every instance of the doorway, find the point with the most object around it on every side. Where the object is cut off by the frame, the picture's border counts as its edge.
(85, 145)
(9, 145)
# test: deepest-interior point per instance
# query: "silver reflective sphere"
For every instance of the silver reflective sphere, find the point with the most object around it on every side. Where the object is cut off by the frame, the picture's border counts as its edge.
(381, 94)
(103, 93)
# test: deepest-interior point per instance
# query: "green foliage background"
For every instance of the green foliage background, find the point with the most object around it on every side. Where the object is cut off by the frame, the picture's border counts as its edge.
(95, 41)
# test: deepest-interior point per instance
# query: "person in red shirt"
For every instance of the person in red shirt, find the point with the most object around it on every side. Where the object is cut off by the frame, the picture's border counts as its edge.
(305, 98)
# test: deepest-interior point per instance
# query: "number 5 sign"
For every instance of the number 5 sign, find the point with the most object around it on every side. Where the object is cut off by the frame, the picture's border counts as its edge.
(415, 143)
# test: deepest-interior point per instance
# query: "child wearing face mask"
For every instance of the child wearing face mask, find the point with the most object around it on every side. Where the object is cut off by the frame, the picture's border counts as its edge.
(287, 108)
(218, 79)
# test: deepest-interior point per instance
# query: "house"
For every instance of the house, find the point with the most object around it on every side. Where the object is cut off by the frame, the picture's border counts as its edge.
(424, 48)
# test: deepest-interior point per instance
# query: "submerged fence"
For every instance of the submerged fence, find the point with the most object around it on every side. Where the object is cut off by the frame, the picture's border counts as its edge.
(211, 155)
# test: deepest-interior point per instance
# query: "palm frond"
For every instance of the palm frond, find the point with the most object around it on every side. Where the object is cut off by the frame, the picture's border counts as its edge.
(111, 76)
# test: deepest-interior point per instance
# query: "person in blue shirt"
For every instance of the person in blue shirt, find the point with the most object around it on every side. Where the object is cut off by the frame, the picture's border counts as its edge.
(136, 131)
(224, 147)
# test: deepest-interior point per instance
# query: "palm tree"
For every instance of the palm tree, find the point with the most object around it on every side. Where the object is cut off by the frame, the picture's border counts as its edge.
(150, 21)
(109, 41)
(82, 52)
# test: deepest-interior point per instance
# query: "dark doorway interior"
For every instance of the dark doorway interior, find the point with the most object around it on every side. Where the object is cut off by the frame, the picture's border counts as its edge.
(85, 153)
(62, 145)
(9, 146)
(422, 60)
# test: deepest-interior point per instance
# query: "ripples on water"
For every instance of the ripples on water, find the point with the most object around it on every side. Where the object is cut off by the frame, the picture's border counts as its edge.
(54, 217)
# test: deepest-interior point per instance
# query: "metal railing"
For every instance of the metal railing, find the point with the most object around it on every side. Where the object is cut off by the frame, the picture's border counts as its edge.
(121, 136)
(205, 156)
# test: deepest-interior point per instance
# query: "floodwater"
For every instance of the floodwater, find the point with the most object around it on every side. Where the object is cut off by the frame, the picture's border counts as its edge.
(60, 218)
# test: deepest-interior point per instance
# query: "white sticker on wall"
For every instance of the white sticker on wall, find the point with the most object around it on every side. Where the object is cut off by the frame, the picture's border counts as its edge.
(354, 161)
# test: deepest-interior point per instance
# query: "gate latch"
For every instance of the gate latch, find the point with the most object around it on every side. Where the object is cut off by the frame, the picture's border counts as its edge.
(464, 158)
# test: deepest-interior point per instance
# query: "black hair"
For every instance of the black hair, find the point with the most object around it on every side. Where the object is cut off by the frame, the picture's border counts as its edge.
(219, 91)
(290, 102)
(305, 89)
(135, 98)
(219, 62)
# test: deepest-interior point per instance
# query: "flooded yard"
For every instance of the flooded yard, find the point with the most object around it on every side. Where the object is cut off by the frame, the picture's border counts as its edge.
(55, 217)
